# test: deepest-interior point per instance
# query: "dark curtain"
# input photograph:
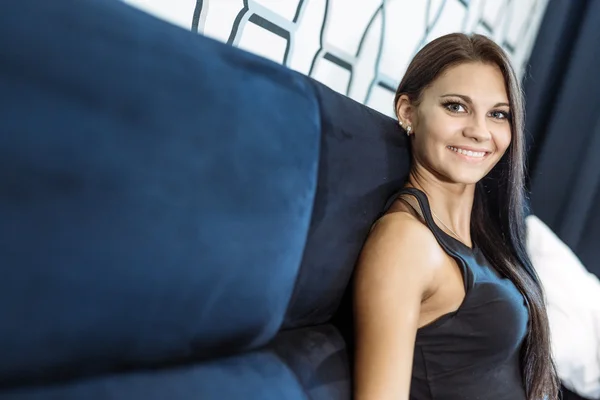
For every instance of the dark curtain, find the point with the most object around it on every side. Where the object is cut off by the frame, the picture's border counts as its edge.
(562, 88)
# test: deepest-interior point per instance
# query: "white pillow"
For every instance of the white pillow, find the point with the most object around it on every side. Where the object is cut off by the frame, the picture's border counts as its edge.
(573, 299)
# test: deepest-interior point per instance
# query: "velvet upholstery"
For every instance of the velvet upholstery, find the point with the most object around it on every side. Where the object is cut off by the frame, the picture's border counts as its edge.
(179, 219)
(364, 159)
(252, 375)
(156, 199)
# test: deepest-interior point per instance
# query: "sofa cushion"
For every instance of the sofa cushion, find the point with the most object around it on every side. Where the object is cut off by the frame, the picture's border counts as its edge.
(319, 358)
(364, 159)
(255, 375)
(157, 188)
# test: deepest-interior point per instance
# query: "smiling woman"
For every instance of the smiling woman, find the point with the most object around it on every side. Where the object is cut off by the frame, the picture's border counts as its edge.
(446, 302)
(466, 111)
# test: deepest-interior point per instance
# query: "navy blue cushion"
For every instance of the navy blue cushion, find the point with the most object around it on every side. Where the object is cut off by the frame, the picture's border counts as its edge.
(319, 358)
(157, 189)
(364, 159)
(258, 375)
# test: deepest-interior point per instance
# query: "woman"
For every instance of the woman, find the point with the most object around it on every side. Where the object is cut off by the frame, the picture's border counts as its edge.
(446, 303)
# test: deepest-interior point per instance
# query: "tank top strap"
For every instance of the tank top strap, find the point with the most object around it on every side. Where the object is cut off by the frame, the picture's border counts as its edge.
(453, 247)
(423, 209)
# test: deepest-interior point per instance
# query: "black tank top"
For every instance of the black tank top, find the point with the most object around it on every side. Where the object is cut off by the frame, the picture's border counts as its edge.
(472, 353)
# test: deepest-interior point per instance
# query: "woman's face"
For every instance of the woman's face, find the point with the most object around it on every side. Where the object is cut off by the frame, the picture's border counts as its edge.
(462, 124)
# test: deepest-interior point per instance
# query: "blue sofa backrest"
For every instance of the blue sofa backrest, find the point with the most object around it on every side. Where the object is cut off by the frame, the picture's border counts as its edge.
(180, 219)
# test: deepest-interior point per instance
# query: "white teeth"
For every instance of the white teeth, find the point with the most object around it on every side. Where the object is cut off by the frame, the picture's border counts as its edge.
(468, 153)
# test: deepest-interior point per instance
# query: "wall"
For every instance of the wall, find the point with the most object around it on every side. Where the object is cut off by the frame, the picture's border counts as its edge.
(357, 47)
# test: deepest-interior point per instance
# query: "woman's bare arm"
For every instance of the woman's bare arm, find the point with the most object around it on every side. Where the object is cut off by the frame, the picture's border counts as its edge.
(394, 274)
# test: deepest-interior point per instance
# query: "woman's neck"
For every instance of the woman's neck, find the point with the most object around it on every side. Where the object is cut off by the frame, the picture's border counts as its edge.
(451, 203)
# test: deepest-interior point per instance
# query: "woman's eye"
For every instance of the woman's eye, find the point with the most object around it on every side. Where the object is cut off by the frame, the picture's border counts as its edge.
(499, 115)
(455, 107)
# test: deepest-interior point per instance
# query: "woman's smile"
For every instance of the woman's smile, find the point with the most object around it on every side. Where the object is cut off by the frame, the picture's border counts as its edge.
(470, 154)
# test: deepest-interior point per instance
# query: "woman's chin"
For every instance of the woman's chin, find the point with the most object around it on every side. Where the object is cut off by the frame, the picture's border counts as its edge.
(465, 177)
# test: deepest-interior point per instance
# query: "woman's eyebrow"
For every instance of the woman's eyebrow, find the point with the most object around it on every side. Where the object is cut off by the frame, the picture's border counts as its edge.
(462, 96)
(470, 101)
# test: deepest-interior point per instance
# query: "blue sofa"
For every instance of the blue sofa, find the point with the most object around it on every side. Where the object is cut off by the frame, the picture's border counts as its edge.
(180, 219)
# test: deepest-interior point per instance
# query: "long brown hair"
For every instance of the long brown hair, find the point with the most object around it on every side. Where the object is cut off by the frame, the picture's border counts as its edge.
(498, 218)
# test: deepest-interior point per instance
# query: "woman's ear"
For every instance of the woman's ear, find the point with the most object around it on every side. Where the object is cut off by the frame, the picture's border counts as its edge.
(404, 111)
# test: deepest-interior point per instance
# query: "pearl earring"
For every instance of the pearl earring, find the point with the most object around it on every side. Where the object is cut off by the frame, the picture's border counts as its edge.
(408, 130)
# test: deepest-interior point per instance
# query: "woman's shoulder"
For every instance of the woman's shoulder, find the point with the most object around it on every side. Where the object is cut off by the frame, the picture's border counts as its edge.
(401, 257)
(402, 235)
